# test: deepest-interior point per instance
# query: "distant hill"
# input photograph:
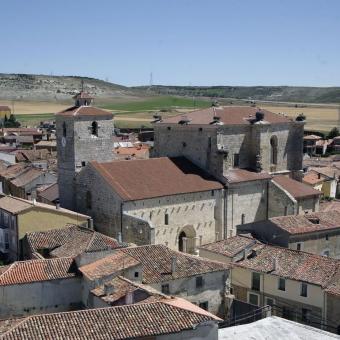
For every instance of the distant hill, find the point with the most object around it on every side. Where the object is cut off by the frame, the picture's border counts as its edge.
(31, 87)
(260, 93)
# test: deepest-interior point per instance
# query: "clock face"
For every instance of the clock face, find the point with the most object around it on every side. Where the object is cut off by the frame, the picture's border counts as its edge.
(63, 141)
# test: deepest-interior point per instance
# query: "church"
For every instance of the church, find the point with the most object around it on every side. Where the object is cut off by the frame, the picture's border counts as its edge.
(211, 170)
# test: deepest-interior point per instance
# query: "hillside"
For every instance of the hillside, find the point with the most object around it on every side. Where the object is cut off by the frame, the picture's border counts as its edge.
(261, 93)
(29, 87)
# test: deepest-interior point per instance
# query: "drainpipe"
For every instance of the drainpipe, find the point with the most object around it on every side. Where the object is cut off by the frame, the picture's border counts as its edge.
(121, 219)
(225, 212)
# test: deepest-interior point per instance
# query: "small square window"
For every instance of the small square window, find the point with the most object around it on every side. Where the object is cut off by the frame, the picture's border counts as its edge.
(269, 302)
(166, 219)
(199, 282)
(169, 128)
(204, 305)
(83, 163)
(282, 284)
(166, 288)
(327, 238)
(298, 246)
(212, 193)
(136, 274)
(303, 291)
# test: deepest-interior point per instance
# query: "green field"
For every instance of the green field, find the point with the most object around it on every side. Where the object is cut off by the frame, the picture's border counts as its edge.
(33, 119)
(164, 103)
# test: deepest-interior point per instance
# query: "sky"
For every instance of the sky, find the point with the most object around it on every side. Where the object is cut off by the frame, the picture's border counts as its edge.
(179, 42)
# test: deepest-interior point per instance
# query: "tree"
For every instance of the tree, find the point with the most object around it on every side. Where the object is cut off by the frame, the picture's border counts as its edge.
(11, 122)
(333, 133)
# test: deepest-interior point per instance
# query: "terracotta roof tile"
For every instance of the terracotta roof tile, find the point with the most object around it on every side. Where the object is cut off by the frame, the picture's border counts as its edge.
(123, 322)
(296, 189)
(292, 264)
(22, 272)
(231, 246)
(309, 223)
(50, 192)
(229, 115)
(156, 263)
(84, 111)
(27, 176)
(70, 241)
(155, 177)
(312, 177)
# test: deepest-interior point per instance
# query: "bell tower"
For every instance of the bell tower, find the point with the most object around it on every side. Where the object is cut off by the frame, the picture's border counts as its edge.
(84, 134)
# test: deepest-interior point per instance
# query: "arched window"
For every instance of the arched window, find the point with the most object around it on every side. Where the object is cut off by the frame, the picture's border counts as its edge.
(273, 150)
(64, 129)
(88, 200)
(94, 129)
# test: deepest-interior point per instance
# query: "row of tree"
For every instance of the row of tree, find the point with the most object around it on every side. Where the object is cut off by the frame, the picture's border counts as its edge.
(10, 122)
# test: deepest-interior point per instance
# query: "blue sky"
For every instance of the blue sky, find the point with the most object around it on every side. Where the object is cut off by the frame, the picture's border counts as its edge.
(182, 42)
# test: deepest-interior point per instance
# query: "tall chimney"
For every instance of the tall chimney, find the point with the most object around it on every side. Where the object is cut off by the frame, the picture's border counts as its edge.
(173, 264)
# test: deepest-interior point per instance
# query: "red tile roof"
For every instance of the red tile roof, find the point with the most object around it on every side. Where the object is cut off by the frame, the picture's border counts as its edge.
(292, 264)
(22, 272)
(243, 175)
(5, 108)
(155, 177)
(82, 95)
(123, 322)
(297, 189)
(312, 178)
(27, 176)
(229, 115)
(302, 224)
(156, 263)
(231, 246)
(70, 241)
(49, 193)
(84, 111)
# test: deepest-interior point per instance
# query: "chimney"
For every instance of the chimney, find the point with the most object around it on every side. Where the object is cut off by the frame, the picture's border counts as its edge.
(129, 298)
(173, 264)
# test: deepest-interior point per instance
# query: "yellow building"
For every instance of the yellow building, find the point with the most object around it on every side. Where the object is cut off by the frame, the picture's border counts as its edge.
(19, 216)
(4, 111)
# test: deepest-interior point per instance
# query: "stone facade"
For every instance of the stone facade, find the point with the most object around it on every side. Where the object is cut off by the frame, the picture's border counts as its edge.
(77, 145)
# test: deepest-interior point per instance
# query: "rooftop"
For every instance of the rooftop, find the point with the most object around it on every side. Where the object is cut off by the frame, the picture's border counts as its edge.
(155, 177)
(16, 205)
(231, 246)
(49, 193)
(70, 241)
(308, 223)
(123, 322)
(312, 137)
(22, 272)
(274, 328)
(76, 111)
(228, 115)
(27, 176)
(294, 188)
(243, 175)
(156, 263)
(330, 205)
(292, 264)
(312, 177)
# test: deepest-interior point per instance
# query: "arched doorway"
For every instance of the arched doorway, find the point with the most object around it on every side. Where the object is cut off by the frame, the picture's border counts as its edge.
(180, 240)
(187, 239)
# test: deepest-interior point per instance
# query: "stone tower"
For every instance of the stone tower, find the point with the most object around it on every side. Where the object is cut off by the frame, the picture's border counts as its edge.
(84, 133)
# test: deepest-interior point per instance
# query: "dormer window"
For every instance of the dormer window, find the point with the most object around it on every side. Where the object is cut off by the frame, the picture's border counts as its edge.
(94, 129)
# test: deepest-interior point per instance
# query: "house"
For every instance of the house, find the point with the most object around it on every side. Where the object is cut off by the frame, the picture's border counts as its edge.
(299, 286)
(170, 272)
(30, 287)
(139, 151)
(5, 111)
(70, 241)
(19, 216)
(166, 319)
(317, 233)
(327, 185)
(153, 201)
(48, 194)
(50, 145)
(310, 144)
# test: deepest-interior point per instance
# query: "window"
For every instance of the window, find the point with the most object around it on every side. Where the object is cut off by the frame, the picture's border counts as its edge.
(269, 302)
(273, 150)
(83, 163)
(255, 281)
(169, 128)
(88, 200)
(199, 282)
(184, 144)
(286, 211)
(204, 305)
(282, 284)
(165, 288)
(299, 246)
(305, 315)
(243, 218)
(64, 129)
(253, 299)
(94, 129)
(136, 274)
(236, 160)
(212, 193)
(166, 219)
(303, 290)
(326, 237)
